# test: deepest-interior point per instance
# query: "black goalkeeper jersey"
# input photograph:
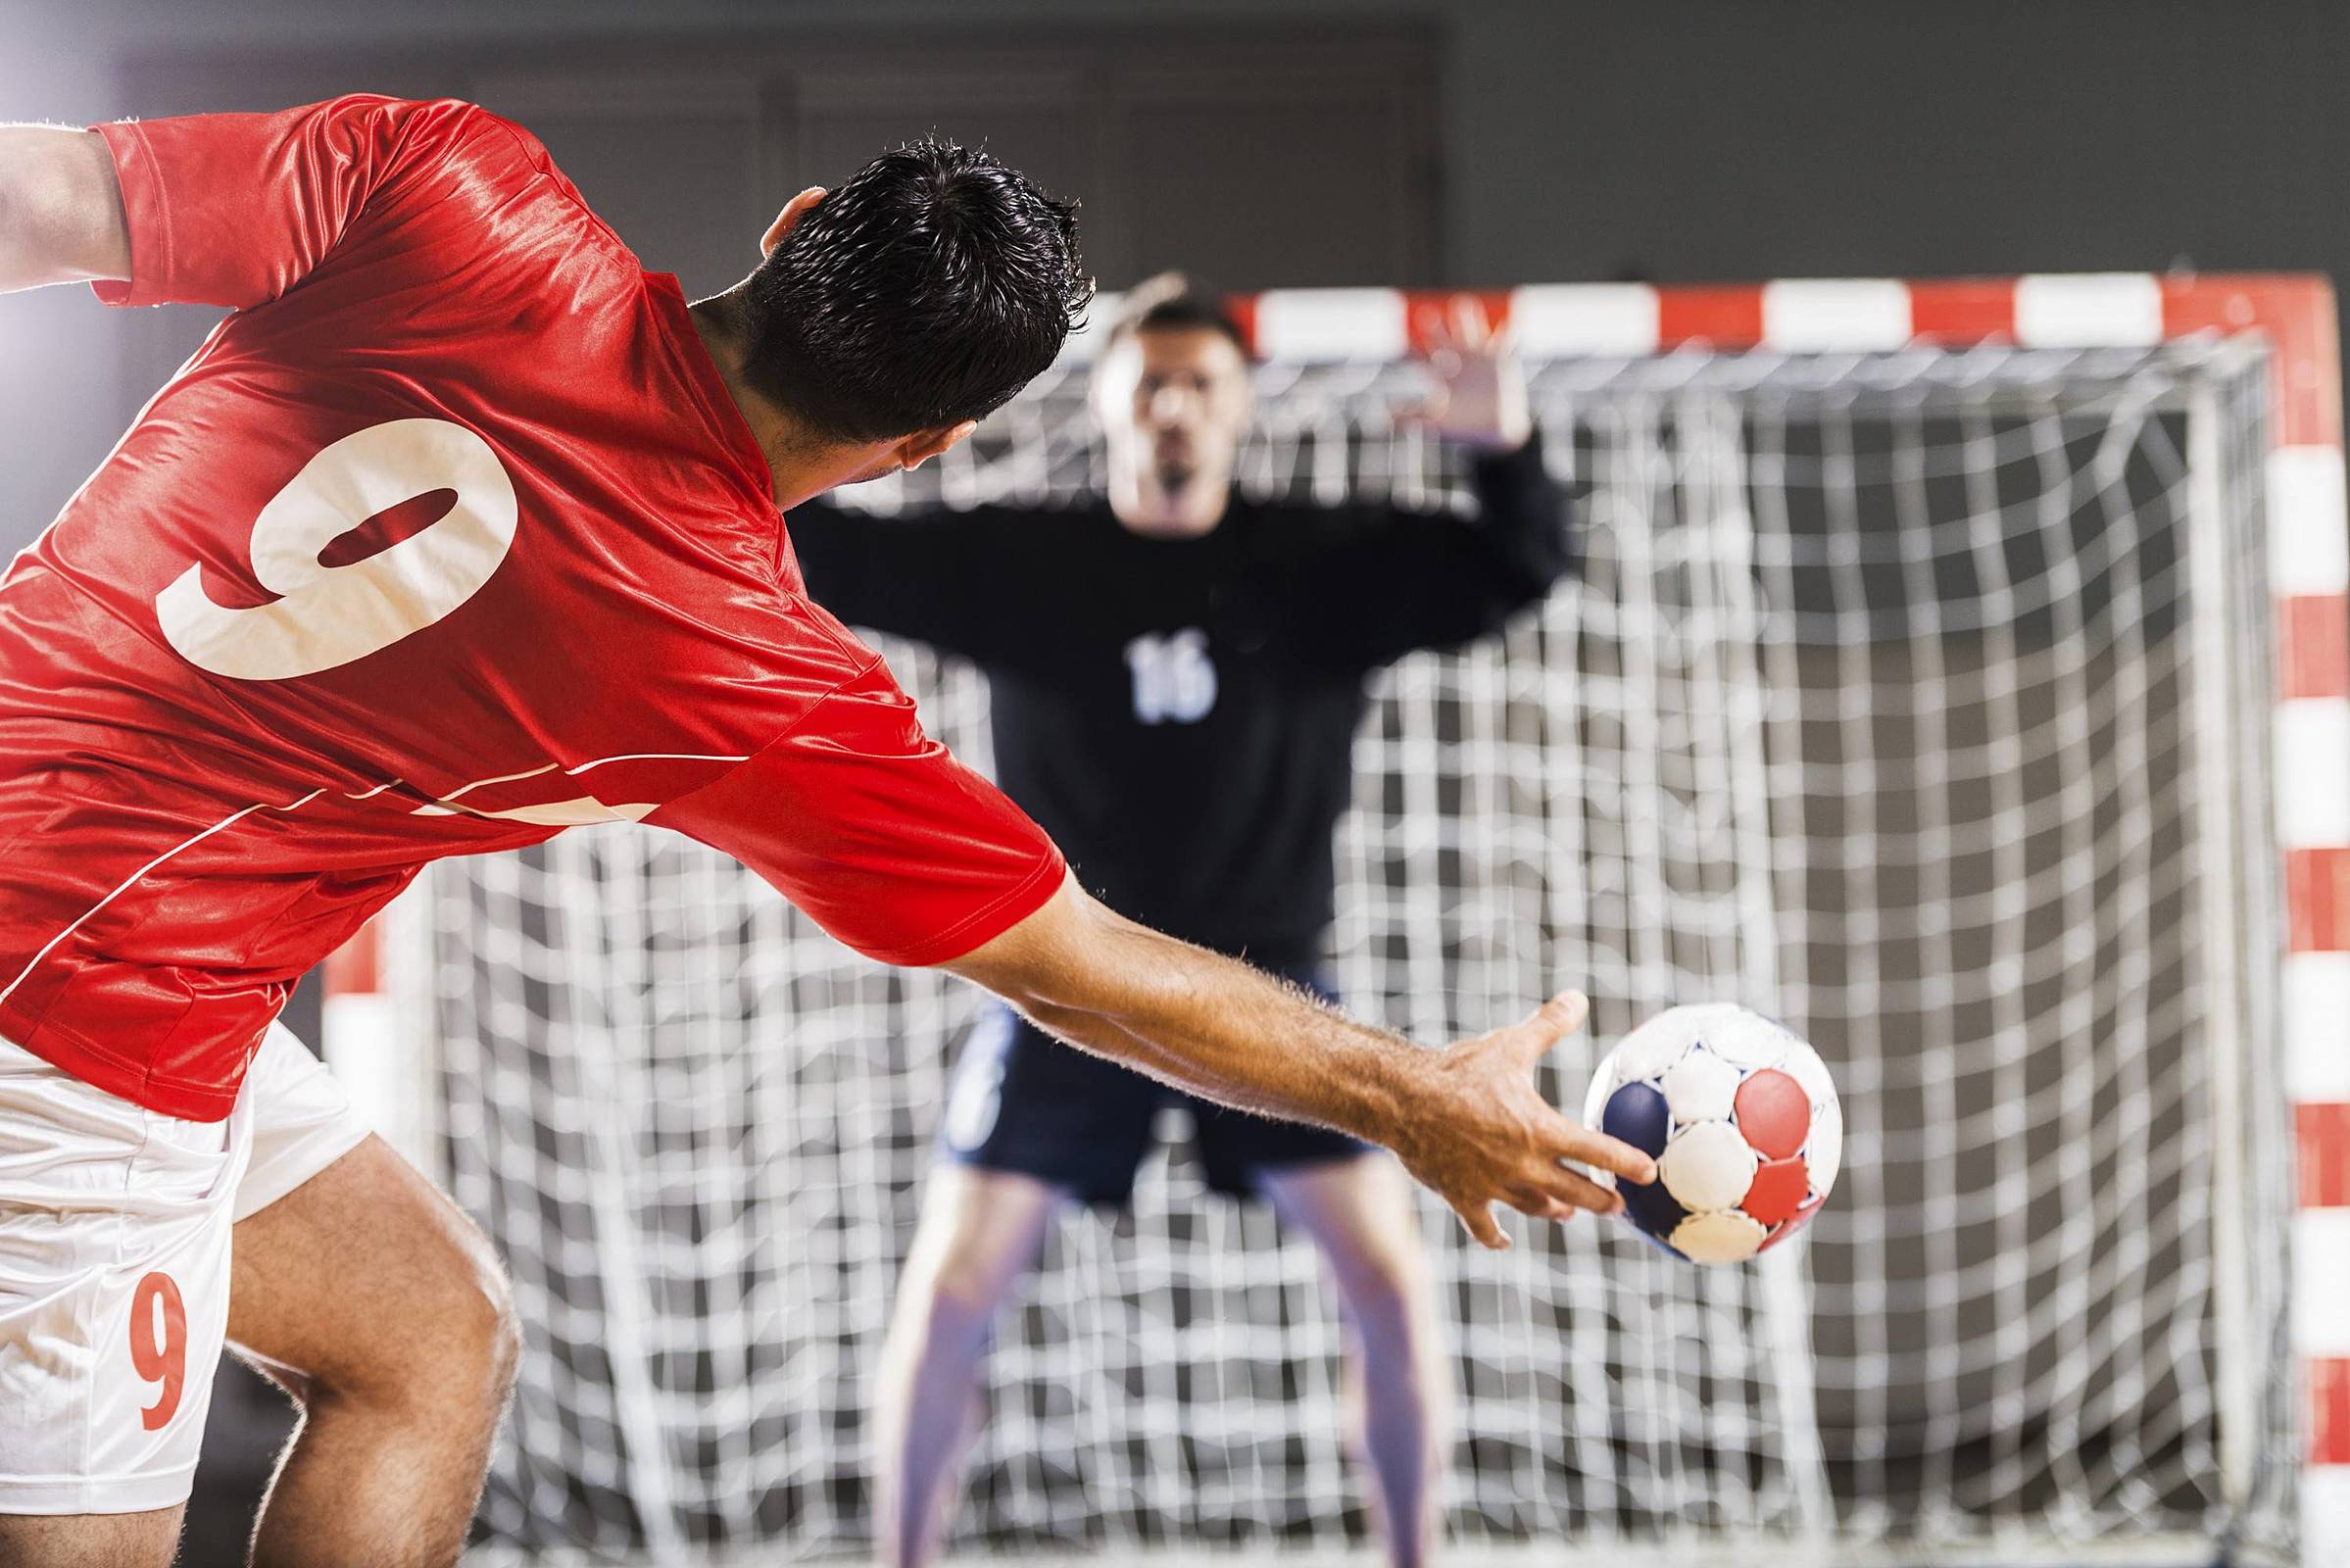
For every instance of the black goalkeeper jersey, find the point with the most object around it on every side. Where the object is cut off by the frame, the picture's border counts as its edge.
(1180, 714)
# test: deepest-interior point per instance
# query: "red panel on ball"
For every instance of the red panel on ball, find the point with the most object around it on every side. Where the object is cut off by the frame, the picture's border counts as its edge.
(1778, 1192)
(1774, 1113)
(1793, 1225)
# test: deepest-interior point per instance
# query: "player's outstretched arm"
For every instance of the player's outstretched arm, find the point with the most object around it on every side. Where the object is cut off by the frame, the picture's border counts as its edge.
(1465, 1120)
(61, 209)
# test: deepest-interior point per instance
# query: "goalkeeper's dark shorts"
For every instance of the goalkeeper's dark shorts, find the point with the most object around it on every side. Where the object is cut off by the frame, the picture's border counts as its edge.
(1024, 1101)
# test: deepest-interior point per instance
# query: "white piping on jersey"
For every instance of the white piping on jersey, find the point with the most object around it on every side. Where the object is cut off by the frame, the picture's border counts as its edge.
(657, 757)
(503, 778)
(132, 880)
(554, 813)
(580, 812)
(567, 813)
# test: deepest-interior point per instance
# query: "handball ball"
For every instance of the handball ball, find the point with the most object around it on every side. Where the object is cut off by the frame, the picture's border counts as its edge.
(1742, 1119)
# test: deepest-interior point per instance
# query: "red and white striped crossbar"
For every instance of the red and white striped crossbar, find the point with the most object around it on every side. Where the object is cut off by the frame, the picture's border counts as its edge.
(2309, 567)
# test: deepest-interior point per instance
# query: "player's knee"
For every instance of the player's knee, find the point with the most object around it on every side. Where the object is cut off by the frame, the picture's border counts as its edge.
(459, 1353)
(483, 1332)
(955, 1299)
(468, 1361)
(1386, 1291)
(500, 1337)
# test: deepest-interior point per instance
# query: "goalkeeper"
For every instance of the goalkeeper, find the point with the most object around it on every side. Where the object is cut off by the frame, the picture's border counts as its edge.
(1177, 675)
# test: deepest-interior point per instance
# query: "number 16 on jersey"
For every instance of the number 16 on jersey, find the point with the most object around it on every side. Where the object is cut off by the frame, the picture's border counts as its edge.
(1174, 679)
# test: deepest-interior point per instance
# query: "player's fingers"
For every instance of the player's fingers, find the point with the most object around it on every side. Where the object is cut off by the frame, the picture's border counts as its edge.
(1478, 1220)
(1549, 1024)
(1577, 1191)
(1535, 1203)
(1587, 1146)
(1469, 322)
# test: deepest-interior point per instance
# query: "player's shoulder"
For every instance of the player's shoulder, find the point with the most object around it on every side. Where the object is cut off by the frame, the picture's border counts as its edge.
(421, 131)
(478, 192)
(481, 139)
(460, 148)
(464, 119)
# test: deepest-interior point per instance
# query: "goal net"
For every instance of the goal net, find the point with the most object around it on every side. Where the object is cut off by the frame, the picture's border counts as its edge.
(1916, 697)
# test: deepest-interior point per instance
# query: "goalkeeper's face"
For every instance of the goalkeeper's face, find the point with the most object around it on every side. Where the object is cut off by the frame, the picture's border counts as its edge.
(1174, 405)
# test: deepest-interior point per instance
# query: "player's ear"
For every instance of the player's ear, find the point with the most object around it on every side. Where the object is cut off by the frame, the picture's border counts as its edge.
(793, 210)
(920, 447)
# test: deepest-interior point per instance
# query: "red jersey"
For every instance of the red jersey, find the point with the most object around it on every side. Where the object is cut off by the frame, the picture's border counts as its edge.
(448, 538)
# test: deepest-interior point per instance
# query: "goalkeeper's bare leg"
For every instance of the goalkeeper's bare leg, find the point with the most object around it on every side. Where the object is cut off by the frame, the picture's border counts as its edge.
(1399, 1386)
(980, 1232)
(379, 1307)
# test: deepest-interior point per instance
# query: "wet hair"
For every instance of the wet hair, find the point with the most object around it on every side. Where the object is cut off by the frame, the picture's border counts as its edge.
(925, 291)
(1173, 302)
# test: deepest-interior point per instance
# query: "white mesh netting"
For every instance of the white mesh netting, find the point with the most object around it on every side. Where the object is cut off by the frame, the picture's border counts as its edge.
(1916, 699)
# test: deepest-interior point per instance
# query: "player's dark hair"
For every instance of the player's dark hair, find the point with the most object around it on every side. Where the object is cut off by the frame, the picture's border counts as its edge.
(1172, 301)
(924, 292)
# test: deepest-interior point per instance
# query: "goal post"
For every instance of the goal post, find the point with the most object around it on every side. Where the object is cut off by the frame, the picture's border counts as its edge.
(1960, 670)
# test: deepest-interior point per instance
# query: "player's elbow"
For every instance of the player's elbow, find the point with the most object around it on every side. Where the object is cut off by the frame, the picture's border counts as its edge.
(1063, 960)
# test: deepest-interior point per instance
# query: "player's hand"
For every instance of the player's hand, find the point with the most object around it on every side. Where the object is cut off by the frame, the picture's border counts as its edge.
(1480, 1134)
(1479, 390)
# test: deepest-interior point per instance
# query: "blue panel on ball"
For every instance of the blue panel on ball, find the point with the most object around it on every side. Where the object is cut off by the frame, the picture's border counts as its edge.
(1660, 1244)
(1652, 1209)
(1638, 1115)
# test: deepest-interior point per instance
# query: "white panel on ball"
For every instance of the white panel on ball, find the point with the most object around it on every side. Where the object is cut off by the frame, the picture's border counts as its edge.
(1709, 1166)
(1700, 1087)
(1722, 1235)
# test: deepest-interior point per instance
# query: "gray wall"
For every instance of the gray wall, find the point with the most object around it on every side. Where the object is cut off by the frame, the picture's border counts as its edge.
(1679, 139)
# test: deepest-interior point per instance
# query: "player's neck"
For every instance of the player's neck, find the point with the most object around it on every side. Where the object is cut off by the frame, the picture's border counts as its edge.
(719, 324)
(717, 320)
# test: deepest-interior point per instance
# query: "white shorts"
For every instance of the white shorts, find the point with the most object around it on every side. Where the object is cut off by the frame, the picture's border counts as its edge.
(115, 1230)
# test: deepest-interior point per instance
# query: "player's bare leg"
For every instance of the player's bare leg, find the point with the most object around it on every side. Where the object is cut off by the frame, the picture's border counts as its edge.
(980, 1231)
(91, 1539)
(1399, 1386)
(381, 1307)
